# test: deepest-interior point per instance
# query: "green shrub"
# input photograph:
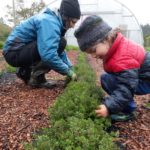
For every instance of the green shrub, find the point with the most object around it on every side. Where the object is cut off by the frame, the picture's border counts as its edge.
(74, 125)
(4, 31)
(71, 47)
(85, 73)
(79, 99)
(74, 134)
(10, 69)
(147, 48)
(1, 44)
(148, 105)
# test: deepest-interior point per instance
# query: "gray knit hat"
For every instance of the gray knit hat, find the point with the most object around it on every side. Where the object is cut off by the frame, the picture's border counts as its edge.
(92, 29)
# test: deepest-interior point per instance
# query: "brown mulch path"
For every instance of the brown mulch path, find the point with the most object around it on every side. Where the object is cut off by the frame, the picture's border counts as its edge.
(133, 135)
(23, 110)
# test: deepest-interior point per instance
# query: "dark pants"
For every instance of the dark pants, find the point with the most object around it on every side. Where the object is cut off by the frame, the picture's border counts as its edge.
(24, 57)
(108, 80)
(28, 56)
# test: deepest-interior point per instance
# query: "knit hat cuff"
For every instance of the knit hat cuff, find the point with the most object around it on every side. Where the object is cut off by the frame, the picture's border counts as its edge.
(98, 33)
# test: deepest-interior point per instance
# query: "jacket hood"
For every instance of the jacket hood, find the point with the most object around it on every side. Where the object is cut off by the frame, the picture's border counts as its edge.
(54, 12)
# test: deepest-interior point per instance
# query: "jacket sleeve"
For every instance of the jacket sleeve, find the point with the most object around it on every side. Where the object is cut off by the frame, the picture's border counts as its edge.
(127, 82)
(48, 37)
(65, 59)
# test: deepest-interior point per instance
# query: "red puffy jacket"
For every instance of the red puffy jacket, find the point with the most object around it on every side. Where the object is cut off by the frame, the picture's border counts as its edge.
(128, 62)
(123, 55)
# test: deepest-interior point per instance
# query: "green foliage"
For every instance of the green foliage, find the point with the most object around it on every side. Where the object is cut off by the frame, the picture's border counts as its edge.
(84, 71)
(71, 47)
(145, 29)
(148, 105)
(73, 120)
(74, 134)
(4, 32)
(10, 69)
(79, 99)
(1, 44)
(147, 48)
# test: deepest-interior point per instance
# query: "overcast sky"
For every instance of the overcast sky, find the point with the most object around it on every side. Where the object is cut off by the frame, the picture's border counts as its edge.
(140, 8)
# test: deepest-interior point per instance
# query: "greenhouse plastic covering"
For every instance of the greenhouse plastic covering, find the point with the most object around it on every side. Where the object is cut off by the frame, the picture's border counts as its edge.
(113, 12)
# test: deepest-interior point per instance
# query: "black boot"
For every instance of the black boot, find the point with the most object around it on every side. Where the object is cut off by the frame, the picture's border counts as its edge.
(38, 79)
(24, 74)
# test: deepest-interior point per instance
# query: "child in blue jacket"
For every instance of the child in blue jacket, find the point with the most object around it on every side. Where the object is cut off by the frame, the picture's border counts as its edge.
(127, 67)
(37, 44)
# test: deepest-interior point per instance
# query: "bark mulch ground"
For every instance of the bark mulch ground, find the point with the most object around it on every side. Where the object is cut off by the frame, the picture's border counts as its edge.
(135, 134)
(23, 110)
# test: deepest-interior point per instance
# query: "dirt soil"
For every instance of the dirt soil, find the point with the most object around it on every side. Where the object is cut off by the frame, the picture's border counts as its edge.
(24, 110)
(133, 135)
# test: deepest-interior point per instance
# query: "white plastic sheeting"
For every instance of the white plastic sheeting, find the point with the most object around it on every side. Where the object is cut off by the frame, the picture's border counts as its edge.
(113, 12)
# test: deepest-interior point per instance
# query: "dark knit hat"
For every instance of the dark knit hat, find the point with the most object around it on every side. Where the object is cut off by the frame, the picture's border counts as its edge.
(70, 8)
(92, 29)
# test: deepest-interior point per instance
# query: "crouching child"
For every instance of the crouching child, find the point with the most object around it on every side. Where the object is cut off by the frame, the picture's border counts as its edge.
(127, 67)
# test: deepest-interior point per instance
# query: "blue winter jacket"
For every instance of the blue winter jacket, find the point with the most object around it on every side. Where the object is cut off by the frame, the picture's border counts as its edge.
(46, 28)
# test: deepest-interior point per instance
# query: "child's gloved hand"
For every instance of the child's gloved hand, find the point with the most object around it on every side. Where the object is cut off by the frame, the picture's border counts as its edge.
(102, 111)
(72, 75)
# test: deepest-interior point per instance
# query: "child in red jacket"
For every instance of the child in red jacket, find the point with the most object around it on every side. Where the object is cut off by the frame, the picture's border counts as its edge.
(126, 64)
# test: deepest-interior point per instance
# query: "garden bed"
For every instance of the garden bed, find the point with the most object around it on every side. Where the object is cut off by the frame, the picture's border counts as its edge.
(74, 124)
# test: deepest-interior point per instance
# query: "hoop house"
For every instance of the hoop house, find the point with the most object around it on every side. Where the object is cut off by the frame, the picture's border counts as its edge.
(113, 12)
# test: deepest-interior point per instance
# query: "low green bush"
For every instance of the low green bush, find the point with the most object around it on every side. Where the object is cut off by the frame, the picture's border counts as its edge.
(148, 105)
(10, 69)
(4, 31)
(147, 48)
(71, 47)
(74, 134)
(79, 100)
(1, 44)
(74, 125)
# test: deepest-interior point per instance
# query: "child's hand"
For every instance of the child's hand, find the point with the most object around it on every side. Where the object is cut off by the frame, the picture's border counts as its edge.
(102, 111)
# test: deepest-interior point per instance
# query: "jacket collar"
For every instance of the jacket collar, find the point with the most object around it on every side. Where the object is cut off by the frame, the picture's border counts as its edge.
(56, 12)
(114, 46)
